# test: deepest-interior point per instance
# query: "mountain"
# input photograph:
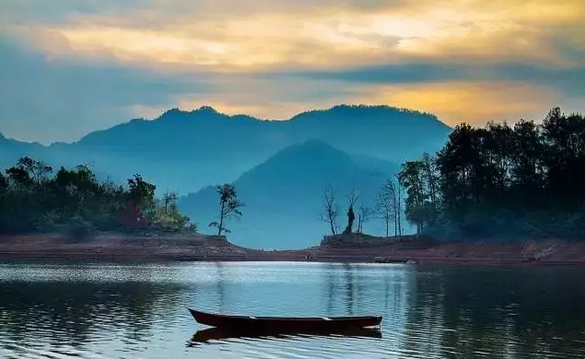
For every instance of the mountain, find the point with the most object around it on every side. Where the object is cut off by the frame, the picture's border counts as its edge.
(283, 196)
(386, 132)
(186, 151)
(11, 150)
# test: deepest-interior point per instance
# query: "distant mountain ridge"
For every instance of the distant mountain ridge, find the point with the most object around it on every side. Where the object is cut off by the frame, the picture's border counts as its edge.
(283, 195)
(187, 150)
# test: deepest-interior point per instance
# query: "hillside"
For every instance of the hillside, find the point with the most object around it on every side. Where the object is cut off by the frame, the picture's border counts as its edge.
(283, 196)
(11, 149)
(186, 151)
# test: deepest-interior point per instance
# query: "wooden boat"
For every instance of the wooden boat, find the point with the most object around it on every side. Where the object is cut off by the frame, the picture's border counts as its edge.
(237, 323)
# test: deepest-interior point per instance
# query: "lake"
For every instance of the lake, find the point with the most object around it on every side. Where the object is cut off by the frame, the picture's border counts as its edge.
(100, 310)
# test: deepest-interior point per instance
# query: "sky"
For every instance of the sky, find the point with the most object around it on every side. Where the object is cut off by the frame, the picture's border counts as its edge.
(68, 67)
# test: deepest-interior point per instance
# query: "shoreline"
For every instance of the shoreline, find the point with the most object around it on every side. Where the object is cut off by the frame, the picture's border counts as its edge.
(201, 248)
(7, 257)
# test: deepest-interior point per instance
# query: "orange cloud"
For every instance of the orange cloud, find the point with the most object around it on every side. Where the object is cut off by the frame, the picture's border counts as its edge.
(313, 36)
(264, 57)
(476, 103)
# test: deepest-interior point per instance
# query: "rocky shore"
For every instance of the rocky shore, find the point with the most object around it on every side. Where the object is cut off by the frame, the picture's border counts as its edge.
(346, 248)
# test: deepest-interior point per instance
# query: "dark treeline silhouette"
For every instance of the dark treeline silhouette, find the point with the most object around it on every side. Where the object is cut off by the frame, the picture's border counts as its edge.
(515, 181)
(35, 199)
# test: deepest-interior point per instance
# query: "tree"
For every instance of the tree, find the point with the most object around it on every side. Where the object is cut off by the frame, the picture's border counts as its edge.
(170, 201)
(364, 216)
(229, 206)
(29, 172)
(430, 178)
(73, 187)
(520, 180)
(398, 205)
(330, 210)
(167, 215)
(37, 170)
(352, 198)
(33, 199)
(528, 169)
(412, 178)
(385, 206)
(142, 195)
(3, 193)
(132, 218)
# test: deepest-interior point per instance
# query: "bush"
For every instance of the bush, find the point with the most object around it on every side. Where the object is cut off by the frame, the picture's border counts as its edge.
(46, 223)
(79, 228)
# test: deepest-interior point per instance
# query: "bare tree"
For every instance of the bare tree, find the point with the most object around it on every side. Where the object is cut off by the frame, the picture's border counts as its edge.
(169, 198)
(399, 205)
(330, 210)
(352, 198)
(364, 216)
(386, 205)
(229, 206)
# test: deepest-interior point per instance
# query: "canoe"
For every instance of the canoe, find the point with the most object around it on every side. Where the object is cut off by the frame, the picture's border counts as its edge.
(241, 323)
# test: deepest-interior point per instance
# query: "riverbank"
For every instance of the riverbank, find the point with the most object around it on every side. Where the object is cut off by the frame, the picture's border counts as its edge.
(197, 247)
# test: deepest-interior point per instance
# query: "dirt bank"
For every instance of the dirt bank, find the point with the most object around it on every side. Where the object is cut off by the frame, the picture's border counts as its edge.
(213, 248)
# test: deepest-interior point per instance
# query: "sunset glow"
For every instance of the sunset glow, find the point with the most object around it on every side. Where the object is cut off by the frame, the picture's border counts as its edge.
(264, 59)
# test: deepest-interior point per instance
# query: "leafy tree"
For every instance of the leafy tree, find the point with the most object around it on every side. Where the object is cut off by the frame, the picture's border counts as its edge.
(411, 177)
(142, 194)
(19, 176)
(229, 206)
(168, 217)
(502, 180)
(3, 185)
(33, 199)
(132, 218)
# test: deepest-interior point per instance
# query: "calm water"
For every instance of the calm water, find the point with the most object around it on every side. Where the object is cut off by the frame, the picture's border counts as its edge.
(139, 311)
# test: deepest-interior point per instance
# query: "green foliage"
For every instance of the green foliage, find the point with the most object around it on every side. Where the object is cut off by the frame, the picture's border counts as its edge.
(421, 180)
(33, 199)
(229, 206)
(168, 218)
(142, 193)
(525, 180)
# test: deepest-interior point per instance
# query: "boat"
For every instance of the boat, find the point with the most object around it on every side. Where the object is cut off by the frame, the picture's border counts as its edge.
(240, 323)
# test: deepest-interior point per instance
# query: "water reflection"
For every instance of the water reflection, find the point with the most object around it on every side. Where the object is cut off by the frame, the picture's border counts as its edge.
(220, 286)
(127, 311)
(506, 313)
(70, 311)
(217, 334)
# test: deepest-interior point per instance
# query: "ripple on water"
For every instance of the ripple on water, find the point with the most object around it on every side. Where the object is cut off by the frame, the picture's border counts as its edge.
(139, 311)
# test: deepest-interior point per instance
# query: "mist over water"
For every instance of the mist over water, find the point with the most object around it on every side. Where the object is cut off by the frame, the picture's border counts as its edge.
(139, 310)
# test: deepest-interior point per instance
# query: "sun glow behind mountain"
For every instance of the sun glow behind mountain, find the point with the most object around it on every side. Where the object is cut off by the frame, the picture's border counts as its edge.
(468, 61)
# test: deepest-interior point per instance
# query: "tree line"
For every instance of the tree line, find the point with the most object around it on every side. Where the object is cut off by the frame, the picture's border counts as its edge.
(500, 180)
(34, 198)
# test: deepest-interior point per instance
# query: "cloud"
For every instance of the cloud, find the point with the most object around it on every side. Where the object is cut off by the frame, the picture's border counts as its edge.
(457, 102)
(90, 64)
(45, 100)
(257, 34)
(570, 80)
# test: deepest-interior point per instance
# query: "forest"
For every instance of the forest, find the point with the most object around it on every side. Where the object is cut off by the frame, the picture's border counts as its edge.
(525, 180)
(36, 199)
